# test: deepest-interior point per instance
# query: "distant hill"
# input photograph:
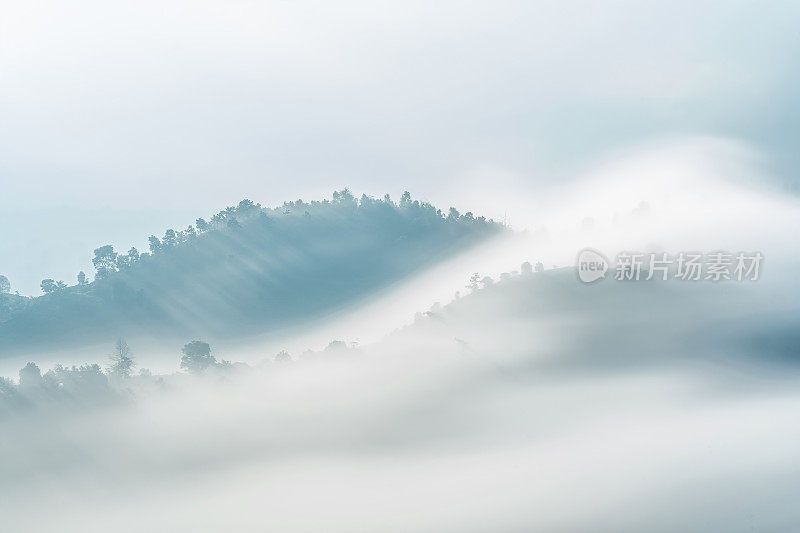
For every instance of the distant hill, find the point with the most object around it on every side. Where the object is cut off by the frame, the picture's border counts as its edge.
(249, 269)
(551, 318)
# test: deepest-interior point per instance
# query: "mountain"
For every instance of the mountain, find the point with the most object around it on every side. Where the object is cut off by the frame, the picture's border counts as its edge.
(550, 319)
(248, 270)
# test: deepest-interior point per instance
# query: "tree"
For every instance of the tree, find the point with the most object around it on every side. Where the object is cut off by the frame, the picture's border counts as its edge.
(123, 261)
(121, 359)
(344, 197)
(170, 239)
(105, 261)
(526, 268)
(7, 389)
(539, 267)
(202, 225)
(474, 282)
(86, 381)
(453, 214)
(49, 286)
(82, 278)
(283, 357)
(5, 285)
(155, 244)
(487, 281)
(197, 357)
(245, 207)
(30, 378)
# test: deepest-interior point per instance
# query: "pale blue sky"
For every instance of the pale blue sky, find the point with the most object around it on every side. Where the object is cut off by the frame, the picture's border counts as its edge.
(120, 119)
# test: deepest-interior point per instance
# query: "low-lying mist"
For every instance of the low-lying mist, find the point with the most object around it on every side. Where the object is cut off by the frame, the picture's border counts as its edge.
(529, 402)
(490, 413)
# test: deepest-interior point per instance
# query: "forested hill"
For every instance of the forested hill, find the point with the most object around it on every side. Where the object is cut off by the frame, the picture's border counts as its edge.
(248, 269)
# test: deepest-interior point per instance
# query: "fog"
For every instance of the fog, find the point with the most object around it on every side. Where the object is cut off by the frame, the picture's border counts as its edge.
(145, 115)
(542, 428)
(534, 403)
(370, 364)
(301, 453)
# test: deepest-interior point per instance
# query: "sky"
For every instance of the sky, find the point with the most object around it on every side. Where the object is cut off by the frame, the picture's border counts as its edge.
(122, 119)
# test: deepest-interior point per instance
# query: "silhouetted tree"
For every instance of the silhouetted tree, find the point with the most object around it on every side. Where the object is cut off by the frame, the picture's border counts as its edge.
(123, 262)
(283, 357)
(197, 357)
(85, 380)
(30, 378)
(202, 225)
(526, 268)
(366, 201)
(539, 267)
(246, 207)
(105, 261)
(82, 278)
(170, 239)
(127, 260)
(344, 197)
(121, 359)
(5, 285)
(155, 244)
(49, 286)
(7, 389)
(453, 214)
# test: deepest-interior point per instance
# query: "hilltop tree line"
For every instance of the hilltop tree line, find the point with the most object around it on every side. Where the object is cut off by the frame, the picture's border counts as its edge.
(107, 260)
(247, 269)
